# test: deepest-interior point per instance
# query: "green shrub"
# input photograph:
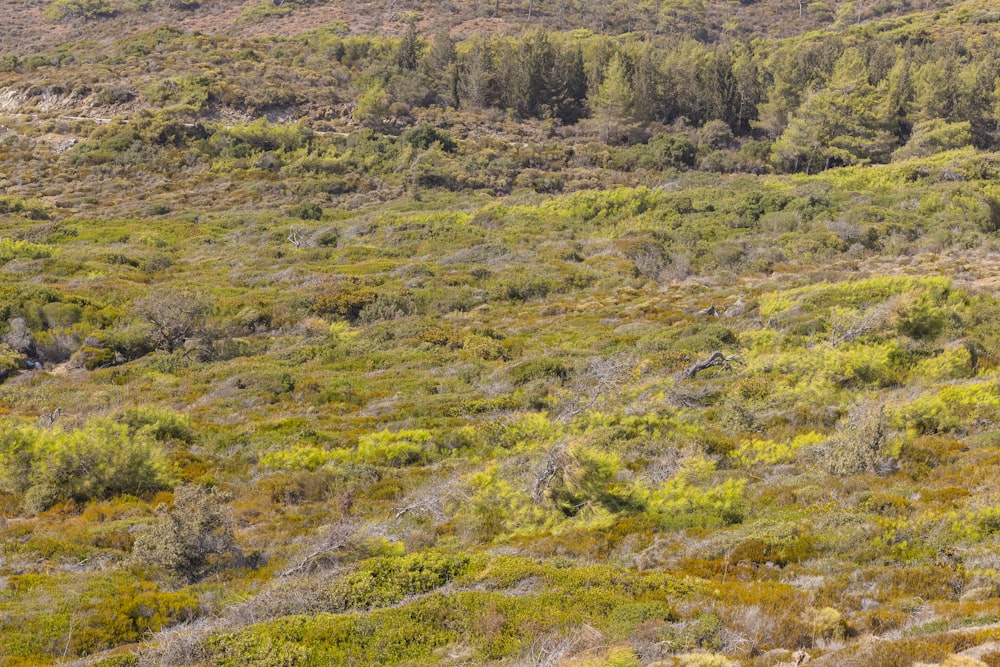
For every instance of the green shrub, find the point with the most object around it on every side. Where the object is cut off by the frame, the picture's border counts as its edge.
(135, 611)
(522, 286)
(261, 136)
(949, 408)
(301, 457)
(702, 632)
(59, 315)
(399, 448)
(584, 477)
(189, 539)
(32, 209)
(688, 499)
(11, 249)
(537, 369)
(425, 136)
(666, 150)
(306, 211)
(11, 361)
(100, 460)
(159, 424)
(383, 581)
(345, 299)
(129, 339)
(924, 320)
(388, 306)
(85, 9)
(263, 11)
(705, 338)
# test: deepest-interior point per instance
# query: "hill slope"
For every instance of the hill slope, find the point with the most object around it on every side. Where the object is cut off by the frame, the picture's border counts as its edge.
(306, 362)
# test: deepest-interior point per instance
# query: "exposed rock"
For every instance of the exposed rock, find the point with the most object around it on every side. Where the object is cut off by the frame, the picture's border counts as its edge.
(19, 338)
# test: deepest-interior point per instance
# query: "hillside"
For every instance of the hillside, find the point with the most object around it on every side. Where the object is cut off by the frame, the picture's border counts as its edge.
(36, 24)
(332, 337)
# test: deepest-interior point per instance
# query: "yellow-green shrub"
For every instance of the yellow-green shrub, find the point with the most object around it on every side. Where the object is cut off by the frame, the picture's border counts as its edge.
(949, 408)
(770, 452)
(687, 499)
(398, 448)
(99, 460)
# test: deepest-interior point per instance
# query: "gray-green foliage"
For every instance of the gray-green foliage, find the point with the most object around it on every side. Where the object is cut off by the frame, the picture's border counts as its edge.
(190, 538)
(859, 445)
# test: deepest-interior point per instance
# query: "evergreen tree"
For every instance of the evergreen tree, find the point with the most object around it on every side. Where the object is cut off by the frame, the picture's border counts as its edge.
(476, 75)
(568, 100)
(748, 88)
(835, 126)
(612, 104)
(538, 58)
(897, 99)
(408, 50)
(936, 88)
(974, 102)
(648, 84)
(373, 107)
(790, 74)
(439, 66)
(439, 58)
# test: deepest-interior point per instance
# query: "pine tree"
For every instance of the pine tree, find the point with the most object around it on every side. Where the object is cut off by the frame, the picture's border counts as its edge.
(748, 87)
(897, 99)
(477, 76)
(612, 104)
(408, 50)
(835, 126)
(437, 63)
(439, 66)
(648, 87)
(568, 100)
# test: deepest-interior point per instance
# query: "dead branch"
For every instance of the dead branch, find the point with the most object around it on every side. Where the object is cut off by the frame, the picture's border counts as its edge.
(296, 238)
(434, 500)
(339, 537)
(553, 466)
(845, 329)
(608, 375)
(48, 419)
(717, 359)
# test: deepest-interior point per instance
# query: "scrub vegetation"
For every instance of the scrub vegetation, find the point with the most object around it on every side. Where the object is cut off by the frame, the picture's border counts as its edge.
(541, 333)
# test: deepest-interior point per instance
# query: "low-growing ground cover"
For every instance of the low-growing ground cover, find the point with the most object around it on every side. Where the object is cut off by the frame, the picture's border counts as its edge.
(407, 435)
(468, 391)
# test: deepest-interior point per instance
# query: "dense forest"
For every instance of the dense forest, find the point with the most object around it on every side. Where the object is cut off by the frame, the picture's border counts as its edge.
(499, 333)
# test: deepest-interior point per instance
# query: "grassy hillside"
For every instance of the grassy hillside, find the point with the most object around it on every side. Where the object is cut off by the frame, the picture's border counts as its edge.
(302, 367)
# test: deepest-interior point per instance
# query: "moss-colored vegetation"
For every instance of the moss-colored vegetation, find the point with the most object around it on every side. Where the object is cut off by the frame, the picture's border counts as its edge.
(318, 353)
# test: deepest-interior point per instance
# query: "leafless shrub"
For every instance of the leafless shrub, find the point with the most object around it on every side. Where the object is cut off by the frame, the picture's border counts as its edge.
(649, 260)
(323, 552)
(174, 316)
(435, 501)
(180, 645)
(846, 326)
(19, 337)
(602, 380)
(550, 470)
(552, 649)
(858, 447)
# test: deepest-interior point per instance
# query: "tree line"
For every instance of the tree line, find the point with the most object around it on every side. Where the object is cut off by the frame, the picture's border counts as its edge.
(822, 101)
